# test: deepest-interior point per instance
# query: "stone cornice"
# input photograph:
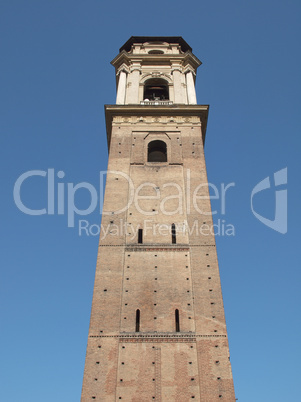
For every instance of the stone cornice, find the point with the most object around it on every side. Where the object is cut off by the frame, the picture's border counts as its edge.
(159, 337)
(184, 59)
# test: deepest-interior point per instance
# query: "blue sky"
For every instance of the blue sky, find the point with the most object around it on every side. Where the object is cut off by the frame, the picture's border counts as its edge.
(55, 78)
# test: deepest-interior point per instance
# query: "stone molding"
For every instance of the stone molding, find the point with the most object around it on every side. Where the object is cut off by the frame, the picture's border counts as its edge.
(189, 68)
(158, 338)
(124, 68)
(156, 119)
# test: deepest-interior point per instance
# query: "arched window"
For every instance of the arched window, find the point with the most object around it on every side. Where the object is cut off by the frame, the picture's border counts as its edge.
(157, 151)
(156, 89)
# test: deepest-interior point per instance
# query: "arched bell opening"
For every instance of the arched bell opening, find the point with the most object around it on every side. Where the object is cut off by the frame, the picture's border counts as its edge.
(156, 89)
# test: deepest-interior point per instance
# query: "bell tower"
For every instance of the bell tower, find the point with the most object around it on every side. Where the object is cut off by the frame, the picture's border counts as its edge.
(157, 329)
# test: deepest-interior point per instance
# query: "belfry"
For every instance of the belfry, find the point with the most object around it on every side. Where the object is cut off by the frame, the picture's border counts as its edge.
(157, 329)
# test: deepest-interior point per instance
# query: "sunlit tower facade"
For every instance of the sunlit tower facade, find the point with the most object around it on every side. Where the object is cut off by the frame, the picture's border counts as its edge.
(157, 329)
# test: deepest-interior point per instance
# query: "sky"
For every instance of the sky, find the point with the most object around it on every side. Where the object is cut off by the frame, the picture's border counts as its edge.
(55, 79)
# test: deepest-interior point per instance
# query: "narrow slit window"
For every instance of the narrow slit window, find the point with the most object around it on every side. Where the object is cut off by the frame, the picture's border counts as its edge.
(173, 234)
(140, 236)
(177, 317)
(138, 320)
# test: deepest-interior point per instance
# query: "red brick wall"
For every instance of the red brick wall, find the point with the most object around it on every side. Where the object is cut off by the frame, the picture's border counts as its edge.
(157, 277)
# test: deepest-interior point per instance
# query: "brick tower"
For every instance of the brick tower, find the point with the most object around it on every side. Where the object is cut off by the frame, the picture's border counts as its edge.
(157, 329)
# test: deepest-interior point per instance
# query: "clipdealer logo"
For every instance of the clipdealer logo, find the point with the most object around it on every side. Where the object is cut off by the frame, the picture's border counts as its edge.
(279, 223)
(184, 200)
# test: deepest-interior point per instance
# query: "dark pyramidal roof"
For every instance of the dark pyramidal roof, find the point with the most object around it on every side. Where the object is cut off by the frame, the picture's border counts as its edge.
(169, 39)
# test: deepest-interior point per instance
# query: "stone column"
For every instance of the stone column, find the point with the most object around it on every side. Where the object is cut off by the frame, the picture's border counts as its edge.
(190, 89)
(120, 98)
(132, 95)
(177, 86)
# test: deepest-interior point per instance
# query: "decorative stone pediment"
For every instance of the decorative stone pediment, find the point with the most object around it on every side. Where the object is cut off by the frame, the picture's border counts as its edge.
(155, 74)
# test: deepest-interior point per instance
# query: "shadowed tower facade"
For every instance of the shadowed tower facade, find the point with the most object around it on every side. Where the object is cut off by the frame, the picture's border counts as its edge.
(157, 329)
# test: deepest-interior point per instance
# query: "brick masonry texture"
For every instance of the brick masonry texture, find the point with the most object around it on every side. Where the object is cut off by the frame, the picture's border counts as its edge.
(157, 328)
(157, 277)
